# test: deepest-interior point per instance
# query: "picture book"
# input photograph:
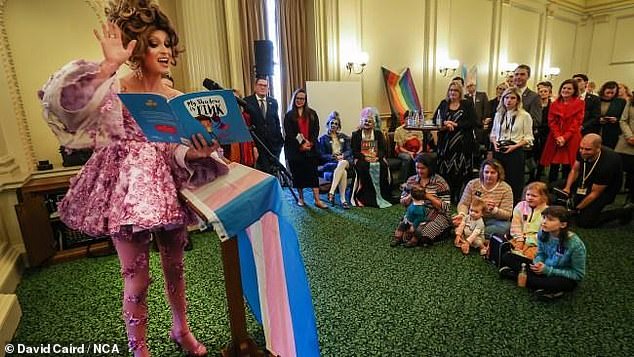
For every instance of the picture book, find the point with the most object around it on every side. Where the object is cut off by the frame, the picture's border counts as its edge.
(214, 114)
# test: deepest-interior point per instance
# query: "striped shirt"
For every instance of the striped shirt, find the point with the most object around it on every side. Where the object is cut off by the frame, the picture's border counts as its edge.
(501, 195)
(438, 186)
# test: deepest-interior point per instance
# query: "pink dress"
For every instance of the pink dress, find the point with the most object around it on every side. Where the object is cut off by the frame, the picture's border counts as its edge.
(128, 183)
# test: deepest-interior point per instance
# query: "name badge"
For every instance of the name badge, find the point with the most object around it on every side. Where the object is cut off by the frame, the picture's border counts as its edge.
(582, 191)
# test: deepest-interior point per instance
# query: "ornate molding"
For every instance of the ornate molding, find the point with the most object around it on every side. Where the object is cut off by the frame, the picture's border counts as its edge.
(7, 165)
(14, 90)
(601, 19)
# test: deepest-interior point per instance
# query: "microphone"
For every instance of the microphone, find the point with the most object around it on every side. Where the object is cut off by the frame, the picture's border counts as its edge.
(213, 85)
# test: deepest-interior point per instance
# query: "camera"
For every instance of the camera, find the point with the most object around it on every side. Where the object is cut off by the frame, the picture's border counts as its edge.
(503, 145)
(562, 198)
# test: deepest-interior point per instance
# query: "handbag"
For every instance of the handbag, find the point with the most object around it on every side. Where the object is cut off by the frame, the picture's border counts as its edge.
(498, 245)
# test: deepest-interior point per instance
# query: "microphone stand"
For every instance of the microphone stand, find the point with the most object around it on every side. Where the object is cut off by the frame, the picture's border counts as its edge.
(278, 170)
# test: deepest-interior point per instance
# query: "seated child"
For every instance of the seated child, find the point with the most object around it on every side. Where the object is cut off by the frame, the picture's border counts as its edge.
(415, 214)
(527, 219)
(470, 232)
(560, 262)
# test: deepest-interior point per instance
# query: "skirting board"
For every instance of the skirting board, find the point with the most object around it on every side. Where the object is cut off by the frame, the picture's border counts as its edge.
(11, 267)
(10, 314)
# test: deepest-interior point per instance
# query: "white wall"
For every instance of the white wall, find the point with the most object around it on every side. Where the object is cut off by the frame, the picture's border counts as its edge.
(44, 35)
(343, 97)
(486, 33)
(612, 54)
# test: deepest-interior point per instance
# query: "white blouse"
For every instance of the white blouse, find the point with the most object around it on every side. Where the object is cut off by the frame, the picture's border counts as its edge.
(515, 126)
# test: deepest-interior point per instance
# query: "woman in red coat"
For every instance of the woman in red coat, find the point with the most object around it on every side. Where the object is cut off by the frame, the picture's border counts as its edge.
(564, 121)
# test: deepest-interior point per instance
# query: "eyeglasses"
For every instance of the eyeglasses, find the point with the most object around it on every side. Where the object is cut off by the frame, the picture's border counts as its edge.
(300, 98)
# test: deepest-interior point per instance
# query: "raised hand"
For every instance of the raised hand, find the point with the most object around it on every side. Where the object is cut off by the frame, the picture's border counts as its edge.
(112, 45)
(200, 149)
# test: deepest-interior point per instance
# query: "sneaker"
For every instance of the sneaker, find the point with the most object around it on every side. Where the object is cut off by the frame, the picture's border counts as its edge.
(508, 273)
(544, 295)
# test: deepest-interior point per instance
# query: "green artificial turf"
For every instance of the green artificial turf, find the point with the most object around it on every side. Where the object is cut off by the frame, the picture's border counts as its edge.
(369, 299)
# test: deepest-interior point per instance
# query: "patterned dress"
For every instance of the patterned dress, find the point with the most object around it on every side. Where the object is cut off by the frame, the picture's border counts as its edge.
(456, 149)
(438, 220)
(128, 183)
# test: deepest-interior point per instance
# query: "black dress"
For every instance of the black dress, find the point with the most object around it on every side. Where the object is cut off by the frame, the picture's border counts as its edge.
(302, 164)
(456, 149)
(364, 192)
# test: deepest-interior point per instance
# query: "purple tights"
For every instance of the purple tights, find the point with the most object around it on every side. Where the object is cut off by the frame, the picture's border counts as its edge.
(133, 252)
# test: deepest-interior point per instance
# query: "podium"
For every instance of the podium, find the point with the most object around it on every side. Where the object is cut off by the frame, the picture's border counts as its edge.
(247, 210)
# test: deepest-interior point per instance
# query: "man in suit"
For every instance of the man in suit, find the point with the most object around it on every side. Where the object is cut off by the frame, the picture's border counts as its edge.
(266, 122)
(530, 99)
(481, 104)
(531, 103)
(593, 106)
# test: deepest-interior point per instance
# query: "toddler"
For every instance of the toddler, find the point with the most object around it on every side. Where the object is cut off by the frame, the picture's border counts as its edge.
(415, 214)
(470, 232)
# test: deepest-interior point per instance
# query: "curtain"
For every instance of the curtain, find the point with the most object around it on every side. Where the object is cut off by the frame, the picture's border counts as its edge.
(326, 38)
(253, 27)
(291, 17)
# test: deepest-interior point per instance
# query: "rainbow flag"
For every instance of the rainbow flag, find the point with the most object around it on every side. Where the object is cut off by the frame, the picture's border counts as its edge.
(248, 204)
(401, 92)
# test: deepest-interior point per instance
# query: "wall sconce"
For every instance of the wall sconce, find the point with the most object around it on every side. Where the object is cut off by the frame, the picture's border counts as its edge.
(358, 63)
(448, 67)
(551, 72)
(508, 68)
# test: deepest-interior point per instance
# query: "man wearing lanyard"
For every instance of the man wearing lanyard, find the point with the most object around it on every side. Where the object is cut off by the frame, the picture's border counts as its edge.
(594, 181)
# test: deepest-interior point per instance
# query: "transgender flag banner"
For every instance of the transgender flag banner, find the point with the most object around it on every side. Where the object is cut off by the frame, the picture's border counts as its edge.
(248, 204)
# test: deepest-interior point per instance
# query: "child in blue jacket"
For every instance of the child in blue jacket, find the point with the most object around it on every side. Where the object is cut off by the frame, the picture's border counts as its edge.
(560, 263)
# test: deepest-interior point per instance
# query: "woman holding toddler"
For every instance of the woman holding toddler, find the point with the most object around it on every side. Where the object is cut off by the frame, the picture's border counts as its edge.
(436, 198)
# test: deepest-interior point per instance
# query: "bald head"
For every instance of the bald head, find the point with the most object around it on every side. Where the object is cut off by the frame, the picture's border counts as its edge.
(593, 139)
(590, 146)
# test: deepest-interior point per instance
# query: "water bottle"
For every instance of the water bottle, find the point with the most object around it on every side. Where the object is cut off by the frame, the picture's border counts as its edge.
(410, 120)
(521, 277)
(438, 119)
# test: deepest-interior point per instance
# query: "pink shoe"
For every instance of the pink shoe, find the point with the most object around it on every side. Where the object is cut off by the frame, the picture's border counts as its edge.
(188, 344)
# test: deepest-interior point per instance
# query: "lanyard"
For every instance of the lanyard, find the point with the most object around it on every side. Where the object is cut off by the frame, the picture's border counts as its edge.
(508, 126)
(585, 177)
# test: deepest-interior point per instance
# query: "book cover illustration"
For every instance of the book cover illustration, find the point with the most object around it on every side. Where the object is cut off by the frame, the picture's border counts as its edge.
(215, 114)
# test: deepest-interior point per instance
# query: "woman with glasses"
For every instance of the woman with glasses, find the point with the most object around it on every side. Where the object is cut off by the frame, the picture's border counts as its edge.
(301, 127)
(456, 139)
(372, 175)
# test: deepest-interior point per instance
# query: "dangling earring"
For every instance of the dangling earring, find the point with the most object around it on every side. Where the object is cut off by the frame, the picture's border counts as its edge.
(138, 73)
